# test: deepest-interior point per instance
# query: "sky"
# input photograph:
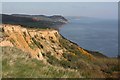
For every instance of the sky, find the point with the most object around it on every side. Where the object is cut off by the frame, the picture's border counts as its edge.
(104, 10)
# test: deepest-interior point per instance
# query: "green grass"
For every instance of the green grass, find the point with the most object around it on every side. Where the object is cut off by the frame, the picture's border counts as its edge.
(19, 65)
(71, 47)
(52, 60)
(70, 57)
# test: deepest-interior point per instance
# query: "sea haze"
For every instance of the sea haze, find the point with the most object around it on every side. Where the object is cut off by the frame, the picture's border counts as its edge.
(93, 34)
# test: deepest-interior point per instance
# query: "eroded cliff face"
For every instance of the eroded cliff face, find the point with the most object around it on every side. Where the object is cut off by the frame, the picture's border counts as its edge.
(36, 41)
(50, 47)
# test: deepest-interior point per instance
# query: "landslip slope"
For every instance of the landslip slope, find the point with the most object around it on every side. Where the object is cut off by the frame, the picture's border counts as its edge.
(48, 46)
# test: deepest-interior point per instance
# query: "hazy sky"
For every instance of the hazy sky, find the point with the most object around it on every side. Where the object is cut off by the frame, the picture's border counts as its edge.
(107, 10)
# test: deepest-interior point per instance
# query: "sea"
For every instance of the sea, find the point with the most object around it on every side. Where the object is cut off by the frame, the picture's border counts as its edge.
(93, 34)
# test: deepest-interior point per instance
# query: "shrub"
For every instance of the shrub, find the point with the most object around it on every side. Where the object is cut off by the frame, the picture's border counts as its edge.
(24, 34)
(37, 43)
(43, 54)
(52, 60)
(12, 40)
(65, 64)
(70, 57)
(70, 46)
(31, 46)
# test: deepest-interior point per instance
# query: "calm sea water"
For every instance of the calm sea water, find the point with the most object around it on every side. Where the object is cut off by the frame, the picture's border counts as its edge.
(93, 34)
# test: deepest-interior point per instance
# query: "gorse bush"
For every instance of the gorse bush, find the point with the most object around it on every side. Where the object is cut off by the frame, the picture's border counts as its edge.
(70, 57)
(71, 47)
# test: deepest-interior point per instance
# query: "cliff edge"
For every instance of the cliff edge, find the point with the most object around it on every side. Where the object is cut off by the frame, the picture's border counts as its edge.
(37, 41)
(49, 46)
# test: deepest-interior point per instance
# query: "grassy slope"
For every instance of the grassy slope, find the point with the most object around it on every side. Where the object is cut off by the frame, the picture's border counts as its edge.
(17, 64)
(100, 67)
